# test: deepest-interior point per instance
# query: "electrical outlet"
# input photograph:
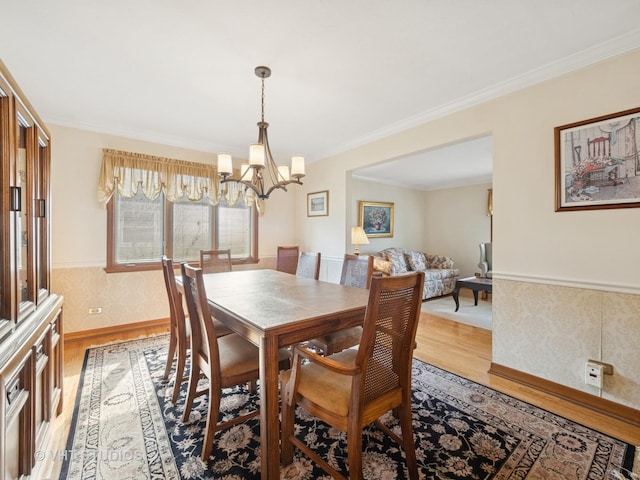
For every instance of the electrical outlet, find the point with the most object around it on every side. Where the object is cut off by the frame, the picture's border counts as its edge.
(593, 374)
(95, 311)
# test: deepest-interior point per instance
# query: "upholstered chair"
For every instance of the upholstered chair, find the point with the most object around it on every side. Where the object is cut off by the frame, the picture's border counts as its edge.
(225, 361)
(355, 387)
(308, 265)
(357, 271)
(214, 261)
(287, 259)
(486, 260)
(179, 330)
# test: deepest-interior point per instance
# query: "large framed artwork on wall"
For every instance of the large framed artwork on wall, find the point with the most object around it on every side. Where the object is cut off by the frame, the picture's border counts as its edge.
(597, 162)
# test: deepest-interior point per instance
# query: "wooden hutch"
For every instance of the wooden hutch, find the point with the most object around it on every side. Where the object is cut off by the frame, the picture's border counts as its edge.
(30, 315)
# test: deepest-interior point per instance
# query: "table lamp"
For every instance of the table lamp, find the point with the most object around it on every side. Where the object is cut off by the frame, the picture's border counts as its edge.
(358, 237)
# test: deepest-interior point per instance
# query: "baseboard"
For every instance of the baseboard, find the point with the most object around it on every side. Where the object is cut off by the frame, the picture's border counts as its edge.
(159, 324)
(597, 404)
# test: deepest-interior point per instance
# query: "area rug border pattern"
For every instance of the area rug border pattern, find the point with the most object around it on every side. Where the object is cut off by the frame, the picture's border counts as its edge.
(163, 464)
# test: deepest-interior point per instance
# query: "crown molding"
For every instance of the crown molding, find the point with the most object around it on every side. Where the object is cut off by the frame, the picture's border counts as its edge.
(611, 48)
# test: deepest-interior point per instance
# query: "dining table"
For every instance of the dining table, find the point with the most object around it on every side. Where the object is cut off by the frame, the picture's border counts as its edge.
(273, 310)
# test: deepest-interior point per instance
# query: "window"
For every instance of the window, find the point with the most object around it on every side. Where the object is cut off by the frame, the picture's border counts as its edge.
(140, 231)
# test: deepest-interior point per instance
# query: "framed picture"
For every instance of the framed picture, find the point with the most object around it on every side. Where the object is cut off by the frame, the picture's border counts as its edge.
(597, 163)
(318, 204)
(376, 218)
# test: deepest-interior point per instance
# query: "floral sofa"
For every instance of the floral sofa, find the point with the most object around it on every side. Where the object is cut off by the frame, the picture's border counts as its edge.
(440, 276)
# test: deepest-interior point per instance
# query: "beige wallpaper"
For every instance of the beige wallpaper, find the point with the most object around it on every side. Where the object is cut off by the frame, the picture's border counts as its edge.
(551, 331)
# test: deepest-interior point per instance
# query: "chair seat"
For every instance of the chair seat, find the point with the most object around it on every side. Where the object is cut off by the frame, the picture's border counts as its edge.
(221, 328)
(339, 340)
(239, 358)
(316, 381)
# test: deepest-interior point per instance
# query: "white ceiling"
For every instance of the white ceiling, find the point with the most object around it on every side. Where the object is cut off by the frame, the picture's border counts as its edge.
(461, 164)
(344, 72)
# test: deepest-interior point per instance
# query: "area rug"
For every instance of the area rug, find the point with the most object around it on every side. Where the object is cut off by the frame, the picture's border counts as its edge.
(477, 315)
(124, 426)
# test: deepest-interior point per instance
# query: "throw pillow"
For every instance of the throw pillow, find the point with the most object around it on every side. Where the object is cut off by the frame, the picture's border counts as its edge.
(398, 264)
(416, 261)
(439, 261)
(381, 265)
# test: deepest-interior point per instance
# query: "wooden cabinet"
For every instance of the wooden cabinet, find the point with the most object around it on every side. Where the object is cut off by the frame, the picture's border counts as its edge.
(31, 347)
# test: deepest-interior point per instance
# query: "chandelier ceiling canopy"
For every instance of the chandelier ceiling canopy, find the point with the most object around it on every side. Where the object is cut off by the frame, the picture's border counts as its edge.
(262, 174)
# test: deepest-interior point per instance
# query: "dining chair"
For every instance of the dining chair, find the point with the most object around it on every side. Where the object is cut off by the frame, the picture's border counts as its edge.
(287, 259)
(355, 387)
(225, 361)
(357, 271)
(308, 265)
(214, 261)
(179, 329)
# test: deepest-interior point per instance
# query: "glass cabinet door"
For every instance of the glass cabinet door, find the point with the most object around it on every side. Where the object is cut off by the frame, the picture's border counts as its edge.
(41, 218)
(5, 232)
(23, 195)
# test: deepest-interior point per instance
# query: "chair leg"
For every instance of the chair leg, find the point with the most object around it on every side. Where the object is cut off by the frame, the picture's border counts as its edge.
(354, 452)
(194, 375)
(179, 376)
(170, 354)
(407, 439)
(213, 412)
(252, 386)
(288, 420)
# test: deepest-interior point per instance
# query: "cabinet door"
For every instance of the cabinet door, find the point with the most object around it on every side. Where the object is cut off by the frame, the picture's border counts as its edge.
(6, 289)
(22, 187)
(42, 387)
(56, 366)
(18, 448)
(41, 214)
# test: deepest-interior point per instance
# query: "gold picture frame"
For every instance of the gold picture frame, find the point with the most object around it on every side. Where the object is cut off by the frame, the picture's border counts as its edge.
(376, 218)
(318, 204)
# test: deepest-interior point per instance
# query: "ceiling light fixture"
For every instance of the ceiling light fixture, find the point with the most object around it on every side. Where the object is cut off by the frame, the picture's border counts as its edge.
(262, 174)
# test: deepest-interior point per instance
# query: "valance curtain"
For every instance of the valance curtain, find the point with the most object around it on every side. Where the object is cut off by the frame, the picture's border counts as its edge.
(129, 172)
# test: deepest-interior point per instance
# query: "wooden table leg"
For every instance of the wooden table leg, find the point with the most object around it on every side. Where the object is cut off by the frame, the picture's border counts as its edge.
(455, 293)
(475, 297)
(269, 409)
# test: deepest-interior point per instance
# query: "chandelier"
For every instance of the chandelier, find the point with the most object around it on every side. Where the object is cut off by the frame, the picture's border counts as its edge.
(261, 174)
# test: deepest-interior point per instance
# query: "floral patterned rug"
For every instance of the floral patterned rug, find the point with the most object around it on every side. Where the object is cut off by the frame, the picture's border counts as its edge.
(124, 426)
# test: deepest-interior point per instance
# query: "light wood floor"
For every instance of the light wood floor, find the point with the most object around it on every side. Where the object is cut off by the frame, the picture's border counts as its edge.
(456, 347)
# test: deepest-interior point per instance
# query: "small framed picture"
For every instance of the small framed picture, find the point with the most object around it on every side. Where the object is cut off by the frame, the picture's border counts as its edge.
(318, 204)
(376, 218)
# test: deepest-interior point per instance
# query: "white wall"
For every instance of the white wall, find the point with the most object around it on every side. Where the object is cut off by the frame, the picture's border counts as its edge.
(456, 223)
(408, 217)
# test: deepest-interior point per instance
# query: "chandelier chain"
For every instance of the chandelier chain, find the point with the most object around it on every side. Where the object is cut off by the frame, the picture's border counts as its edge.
(262, 99)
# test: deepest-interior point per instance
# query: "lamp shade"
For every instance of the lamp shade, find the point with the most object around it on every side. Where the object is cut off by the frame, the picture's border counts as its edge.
(358, 237)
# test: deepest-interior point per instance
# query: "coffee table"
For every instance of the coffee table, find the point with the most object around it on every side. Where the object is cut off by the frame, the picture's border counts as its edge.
(477, 284)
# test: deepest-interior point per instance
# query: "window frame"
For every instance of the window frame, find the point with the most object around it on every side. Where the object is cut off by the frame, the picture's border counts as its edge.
(114, 267)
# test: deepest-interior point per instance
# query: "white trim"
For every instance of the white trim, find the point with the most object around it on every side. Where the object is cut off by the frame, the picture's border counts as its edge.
(569, 282)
